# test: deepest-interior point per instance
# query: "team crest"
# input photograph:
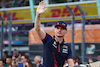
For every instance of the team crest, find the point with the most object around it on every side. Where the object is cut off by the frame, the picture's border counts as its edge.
(65, 49)
(63, 24)
(54, 44)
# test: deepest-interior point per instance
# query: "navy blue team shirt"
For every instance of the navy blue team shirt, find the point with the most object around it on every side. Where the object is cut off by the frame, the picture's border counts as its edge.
(55, 53)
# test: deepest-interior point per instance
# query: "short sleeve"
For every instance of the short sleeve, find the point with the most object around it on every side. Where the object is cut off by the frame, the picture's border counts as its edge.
(69, 52)
(47, 39)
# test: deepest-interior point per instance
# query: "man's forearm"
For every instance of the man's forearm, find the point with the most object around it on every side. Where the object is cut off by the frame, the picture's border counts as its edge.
(37, 22)
(70, 63)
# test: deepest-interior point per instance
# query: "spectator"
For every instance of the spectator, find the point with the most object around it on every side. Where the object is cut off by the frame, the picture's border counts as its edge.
(6, 4)
(90, 59)
(21, 3)
(5, 54)
(15, 3)
(3, 4)
(26, 3)
(9, 4)
(15, 53)
(19, 57)
(8, 61)
(66, 64)
(37, 61)
(2, 63)
(77, 61)
(24, 60)
(14, 61)
(23, 30)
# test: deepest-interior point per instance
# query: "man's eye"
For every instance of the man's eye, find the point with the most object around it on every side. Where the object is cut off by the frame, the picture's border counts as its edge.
(57, 27)
(62, 28)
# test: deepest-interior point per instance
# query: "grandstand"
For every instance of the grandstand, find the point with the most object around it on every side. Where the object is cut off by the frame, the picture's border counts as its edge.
(25, 39)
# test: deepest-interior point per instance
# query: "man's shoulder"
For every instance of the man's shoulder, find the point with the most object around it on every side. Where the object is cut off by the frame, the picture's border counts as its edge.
(48, 35)
(47, 39)
(40, 65)
(6, 65)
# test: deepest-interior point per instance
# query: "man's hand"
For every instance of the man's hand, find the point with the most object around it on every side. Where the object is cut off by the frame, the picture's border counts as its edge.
(70, 62)
(40, 8)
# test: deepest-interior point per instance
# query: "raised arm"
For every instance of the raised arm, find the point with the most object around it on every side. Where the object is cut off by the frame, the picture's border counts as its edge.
(39, 11)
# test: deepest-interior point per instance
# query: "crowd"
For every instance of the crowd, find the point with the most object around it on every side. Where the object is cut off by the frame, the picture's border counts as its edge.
(16, 3)
(19, 3)
(13, 3)
(19, 60)
(78, 63)
(22, 60)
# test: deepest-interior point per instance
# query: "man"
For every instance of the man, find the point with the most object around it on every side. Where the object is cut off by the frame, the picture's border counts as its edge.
(14, 62)
(55, 49)
(5, 54)
(8, 61)
(24, 60)
(1, 63)
(15, 53)
(37, 61)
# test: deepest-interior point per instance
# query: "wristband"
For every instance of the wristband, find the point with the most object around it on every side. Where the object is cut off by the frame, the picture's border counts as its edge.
(39, 15)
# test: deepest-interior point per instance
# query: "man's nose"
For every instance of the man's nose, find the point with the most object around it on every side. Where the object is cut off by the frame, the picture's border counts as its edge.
(59, 29)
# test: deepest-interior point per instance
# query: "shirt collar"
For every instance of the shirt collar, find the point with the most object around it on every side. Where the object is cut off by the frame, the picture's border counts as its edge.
(57, 40)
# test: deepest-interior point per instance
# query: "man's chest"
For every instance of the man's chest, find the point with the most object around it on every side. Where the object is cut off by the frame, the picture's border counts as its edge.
(61, 48)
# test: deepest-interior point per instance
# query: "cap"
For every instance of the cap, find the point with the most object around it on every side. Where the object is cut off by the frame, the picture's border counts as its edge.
(61, 23)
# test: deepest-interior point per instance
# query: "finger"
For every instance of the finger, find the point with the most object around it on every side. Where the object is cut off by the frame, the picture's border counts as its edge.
(44, 4)
(45, 9)
(40, 3)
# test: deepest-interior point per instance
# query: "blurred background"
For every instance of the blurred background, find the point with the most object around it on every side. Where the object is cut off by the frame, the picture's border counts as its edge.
(82, 16)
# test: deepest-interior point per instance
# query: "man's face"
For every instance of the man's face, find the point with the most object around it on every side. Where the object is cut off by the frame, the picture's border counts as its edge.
(4, 54)
(1, 63)
(8, 60)
(60, 31)
(35, 60)
(23, 59)
(15, 53)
